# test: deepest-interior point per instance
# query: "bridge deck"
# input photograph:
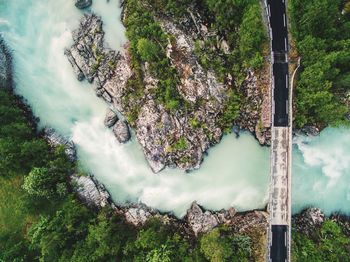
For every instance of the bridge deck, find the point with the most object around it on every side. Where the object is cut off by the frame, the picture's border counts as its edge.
(279, 176)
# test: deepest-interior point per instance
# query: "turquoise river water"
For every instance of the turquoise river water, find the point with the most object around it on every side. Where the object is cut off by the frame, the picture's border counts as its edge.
(235, 173)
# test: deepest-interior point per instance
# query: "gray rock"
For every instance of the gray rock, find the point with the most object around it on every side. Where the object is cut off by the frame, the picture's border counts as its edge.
(138, 215)
(121, 131)
(310, 130)
(55, 139)
(308, 220)
(199, 221)
(111, 118)
(314, 216)
(88, 56)
(90, 191)
(81, 4)
(76, 69)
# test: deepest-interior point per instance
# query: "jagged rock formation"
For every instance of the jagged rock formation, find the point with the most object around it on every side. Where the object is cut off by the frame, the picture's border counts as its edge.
(175, 139)
(308, 219)
(106, 69)
(55, 139)
(81, 4)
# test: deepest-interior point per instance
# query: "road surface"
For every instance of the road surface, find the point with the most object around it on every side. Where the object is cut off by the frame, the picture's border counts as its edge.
(280, 174)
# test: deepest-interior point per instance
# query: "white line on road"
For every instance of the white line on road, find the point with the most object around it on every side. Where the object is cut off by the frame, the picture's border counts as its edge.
(269, 11)
(284, 20)
(285, 238)
(287, 81)
(287, 106)
(285, 43)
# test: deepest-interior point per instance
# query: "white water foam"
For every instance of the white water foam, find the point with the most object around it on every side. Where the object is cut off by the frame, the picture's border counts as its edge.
(321, 171)
(234, 174)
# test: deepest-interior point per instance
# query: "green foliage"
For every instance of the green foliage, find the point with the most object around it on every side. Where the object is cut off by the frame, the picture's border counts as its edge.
(220, 245)
(251, 36)
(49, 181)
(231, 111)
(158, 242)
(147, 50)
(328, 244)
(147, 44)
(175, 8)
(240, 23)
(322, 38)
(56, 236)
(180, 145)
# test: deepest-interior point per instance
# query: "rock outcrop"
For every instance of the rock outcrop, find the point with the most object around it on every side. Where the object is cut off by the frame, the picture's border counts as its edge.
(55, 139)
(89, 57)
(81, 4)
(88, 190)
(168, 138)
(202, 221)
(139, 214)
(5, 66)
(308, 220)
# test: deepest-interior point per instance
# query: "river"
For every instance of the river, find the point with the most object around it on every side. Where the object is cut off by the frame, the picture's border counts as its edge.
(235, 172)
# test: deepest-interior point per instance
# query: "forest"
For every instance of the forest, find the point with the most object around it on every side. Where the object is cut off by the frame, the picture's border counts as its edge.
(321, 31)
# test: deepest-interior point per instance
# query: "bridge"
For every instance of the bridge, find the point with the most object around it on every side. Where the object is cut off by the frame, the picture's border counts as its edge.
(279, 232)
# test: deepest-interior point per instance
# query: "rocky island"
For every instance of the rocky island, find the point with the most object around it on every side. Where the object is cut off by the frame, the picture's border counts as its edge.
(180, 113)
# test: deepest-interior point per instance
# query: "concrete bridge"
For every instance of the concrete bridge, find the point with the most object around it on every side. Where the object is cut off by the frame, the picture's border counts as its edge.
(279, 232)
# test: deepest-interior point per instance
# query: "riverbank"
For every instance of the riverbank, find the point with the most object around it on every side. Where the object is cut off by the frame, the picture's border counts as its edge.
(180, 112)
(40, 191)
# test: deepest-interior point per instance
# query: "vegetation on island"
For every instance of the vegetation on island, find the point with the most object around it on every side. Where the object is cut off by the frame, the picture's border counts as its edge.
(237, 23)
(321, 30)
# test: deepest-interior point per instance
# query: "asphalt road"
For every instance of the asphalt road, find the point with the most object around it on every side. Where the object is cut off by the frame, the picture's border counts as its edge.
(278, 251)
(278, 21)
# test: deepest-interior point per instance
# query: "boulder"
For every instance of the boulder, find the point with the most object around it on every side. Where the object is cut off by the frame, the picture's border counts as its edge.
(111, 118)
(81, 4)
(138, 215)
(310, 130)
(199, 221)
(90, 191)
(55, 139)
(121, 131)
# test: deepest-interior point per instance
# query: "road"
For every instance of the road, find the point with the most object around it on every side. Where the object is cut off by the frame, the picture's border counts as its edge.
(280, 174)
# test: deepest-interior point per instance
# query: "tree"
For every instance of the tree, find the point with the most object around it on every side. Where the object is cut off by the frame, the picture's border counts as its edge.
(216, 248)
(50, 181)
(147, 50)
(221, 245)
(106, 237)
(251, 37)
(56, 236)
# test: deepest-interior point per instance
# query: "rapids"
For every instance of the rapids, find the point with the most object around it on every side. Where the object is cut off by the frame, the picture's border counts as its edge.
(235, 172)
